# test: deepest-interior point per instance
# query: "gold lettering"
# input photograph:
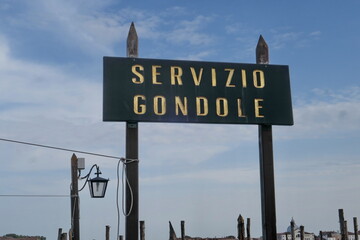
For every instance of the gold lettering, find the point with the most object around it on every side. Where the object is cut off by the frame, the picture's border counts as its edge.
(257, 102)
(222, 104)
(213, 77)
(155, 73)
(139, 108)
(243, 78)
(139, 75)
(197, 79)
(240, 111)
(159, 105)
(176, 75)
(182, 106)
(202, 107)
(258, 82)
(231, 74)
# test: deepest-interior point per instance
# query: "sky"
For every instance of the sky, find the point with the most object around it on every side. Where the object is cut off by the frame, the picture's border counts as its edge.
(51, 77)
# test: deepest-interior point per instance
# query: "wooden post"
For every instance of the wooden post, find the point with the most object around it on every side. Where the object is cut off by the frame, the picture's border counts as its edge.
(302, 232)
(182, 230)
(59, 234)
(132, 167)
(346, 230)
(172, 234)
(248, 236)
(267, 180)
(292, 226)
(356, 231)
(142, 230)
(64, 236)
(107, 232)
(341, 222)
(121, 237)
(320, 235)
(75, 217)
(240, 226)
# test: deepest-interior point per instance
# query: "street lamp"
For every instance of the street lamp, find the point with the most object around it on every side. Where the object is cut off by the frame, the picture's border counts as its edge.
(97, 188)
(97, 185)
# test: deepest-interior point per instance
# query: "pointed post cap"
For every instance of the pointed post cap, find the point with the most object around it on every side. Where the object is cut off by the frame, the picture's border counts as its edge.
(262, 51)
(132, 42)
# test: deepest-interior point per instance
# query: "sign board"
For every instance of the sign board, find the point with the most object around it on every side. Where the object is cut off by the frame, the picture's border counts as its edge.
(154, 90)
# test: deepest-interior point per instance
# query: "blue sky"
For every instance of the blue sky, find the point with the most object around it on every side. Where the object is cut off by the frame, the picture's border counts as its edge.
(51, 93)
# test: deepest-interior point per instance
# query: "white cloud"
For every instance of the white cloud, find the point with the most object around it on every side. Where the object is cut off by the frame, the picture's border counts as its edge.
(188, 31)
(222, 176)
(325, 113)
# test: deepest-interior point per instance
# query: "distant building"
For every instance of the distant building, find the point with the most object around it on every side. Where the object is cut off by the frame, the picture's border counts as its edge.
(331, 235)
(22, 238)
(287, 235)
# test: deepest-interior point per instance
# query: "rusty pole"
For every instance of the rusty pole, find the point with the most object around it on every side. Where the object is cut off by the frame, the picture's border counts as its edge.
(267, 180)
(132, 167)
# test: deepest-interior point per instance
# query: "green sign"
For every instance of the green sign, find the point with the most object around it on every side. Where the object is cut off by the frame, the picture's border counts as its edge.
(153, 90)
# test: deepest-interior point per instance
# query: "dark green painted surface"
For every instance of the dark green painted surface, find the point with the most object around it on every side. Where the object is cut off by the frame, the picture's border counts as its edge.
(119, 91)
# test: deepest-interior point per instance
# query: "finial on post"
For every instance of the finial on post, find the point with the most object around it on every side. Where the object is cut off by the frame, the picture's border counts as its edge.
(262, 51)
(132, 42)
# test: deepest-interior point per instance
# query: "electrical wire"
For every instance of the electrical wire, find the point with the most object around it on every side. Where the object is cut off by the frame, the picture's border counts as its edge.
(124, 177)
(58, 148)
(125, 161)
(34, 195)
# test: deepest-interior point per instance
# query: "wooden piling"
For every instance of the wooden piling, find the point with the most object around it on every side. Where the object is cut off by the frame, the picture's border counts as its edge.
(59, 234)
(240, 226)
(64, 236)
(292, 227)
(182, 230)
(356, 231)
(341, 222)
(107, 232)
(142, 230)
(346, 230)
(172, 234)
(302, 232)
(248, 235)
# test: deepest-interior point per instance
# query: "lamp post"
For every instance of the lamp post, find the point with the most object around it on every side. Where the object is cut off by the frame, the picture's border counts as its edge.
(97, 188)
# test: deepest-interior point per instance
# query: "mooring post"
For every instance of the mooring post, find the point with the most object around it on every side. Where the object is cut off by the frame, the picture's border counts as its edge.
(292, 227)
(346, 230)
(248, 236)
(59, 234)
(342, 224)
(267, 180)
(182, 225)
(107, 232)
(356, 228)
(240, 227)
(302, 233)
(132, 165)
(142, 230)
(64, 236)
